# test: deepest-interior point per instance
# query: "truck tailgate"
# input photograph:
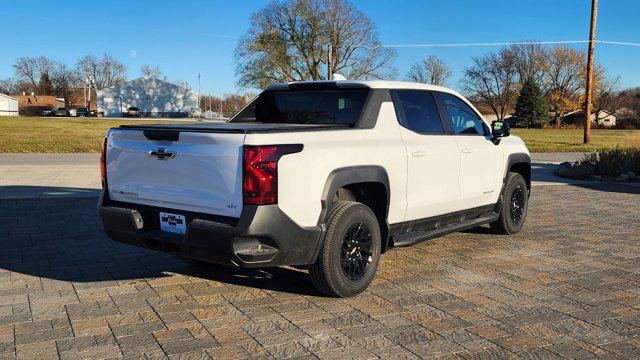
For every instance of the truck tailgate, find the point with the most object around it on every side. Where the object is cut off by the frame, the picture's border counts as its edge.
(199, 172)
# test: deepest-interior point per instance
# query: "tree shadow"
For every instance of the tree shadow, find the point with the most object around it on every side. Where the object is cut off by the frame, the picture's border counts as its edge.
(61, 239)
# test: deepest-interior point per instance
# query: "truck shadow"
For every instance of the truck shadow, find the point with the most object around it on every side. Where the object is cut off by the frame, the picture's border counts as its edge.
(61, 239)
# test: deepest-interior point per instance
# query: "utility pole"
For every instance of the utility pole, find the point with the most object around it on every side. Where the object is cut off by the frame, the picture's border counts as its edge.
(592, 36)
(199, 91)
(329, 62)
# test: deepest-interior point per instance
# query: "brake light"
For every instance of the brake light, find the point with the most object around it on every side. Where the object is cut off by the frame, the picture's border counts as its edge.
(260, 172)
(103, 165)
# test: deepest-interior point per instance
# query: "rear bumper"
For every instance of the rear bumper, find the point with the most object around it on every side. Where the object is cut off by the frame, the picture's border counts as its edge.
(263, 236)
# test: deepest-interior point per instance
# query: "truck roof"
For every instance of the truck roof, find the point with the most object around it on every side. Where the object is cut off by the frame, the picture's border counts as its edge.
(371, 84)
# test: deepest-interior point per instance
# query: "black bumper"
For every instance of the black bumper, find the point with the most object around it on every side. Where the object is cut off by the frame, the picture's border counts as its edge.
(263, 235)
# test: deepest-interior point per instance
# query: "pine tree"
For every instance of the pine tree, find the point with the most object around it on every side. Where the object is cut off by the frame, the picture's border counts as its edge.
(532, 109)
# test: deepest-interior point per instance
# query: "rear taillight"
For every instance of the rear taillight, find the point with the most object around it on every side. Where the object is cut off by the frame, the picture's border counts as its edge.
(103, 165)
(260, 172)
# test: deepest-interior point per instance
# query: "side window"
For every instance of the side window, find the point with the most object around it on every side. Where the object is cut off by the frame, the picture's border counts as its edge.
(463, 119)
(417, 111)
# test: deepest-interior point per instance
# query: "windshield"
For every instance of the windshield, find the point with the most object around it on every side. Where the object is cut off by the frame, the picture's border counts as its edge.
(340, 106)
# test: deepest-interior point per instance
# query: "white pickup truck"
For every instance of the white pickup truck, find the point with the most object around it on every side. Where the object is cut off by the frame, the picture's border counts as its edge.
(326, 174)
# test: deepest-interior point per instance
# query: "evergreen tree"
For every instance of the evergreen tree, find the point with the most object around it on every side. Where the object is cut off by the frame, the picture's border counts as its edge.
(45, 87)
(532, 109)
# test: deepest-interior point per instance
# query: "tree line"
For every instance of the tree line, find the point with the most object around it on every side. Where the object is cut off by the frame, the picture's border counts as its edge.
(44, 76)
(295, 40)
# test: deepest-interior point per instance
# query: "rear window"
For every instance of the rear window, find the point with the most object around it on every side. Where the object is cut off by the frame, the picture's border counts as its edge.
(340, 106)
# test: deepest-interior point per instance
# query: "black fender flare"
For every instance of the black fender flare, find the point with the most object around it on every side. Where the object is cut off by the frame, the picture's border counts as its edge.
(353, 175)
(517, 158)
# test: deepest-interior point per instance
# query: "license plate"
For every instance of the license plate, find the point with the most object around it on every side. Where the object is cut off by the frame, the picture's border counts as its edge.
(173, 223)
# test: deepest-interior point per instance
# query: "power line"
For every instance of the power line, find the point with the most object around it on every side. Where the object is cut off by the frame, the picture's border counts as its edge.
(510, 43)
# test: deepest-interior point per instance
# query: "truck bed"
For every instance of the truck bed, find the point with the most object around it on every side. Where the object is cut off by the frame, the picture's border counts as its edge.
(237, 128)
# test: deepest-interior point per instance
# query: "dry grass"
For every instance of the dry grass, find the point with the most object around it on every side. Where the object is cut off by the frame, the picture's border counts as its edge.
(54, 135)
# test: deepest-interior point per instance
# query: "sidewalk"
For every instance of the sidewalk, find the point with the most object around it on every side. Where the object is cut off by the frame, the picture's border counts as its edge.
(49, 175)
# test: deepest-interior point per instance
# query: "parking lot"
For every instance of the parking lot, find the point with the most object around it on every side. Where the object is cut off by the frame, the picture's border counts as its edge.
(568, 285)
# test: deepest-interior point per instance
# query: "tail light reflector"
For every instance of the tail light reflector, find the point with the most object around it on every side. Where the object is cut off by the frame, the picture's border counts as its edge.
(260, 172)
(103, 162)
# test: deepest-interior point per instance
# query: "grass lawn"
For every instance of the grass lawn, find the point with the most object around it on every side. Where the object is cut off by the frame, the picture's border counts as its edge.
(567, 140)
(54, 135)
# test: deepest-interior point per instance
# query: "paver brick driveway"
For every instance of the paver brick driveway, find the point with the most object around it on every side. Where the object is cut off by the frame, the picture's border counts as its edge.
(567, 286)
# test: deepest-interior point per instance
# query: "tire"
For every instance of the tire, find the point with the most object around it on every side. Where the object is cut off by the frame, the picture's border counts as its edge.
(515, 192)
(347, 220)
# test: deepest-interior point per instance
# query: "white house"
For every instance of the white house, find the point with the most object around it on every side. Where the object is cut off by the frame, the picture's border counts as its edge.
(152, 96)
(8, 105)
(605, 118)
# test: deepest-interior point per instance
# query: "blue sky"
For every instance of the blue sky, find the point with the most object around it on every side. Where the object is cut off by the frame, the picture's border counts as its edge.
(190, 36)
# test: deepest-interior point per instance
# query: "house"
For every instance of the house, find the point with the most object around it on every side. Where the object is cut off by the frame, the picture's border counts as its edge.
(154, 97)
(34, 105)
(605, 118)
(8, 105)
(489, 115)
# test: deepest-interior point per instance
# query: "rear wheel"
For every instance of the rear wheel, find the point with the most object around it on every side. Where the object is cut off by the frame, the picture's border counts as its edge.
(514, 206)
(350, 252)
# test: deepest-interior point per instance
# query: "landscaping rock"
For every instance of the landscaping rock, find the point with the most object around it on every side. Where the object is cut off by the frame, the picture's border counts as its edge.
(575, 171)
(621, 178)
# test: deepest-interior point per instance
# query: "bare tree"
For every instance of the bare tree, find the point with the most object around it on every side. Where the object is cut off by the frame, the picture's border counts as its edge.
(150, 72)
(530, 62)
(31, 69)
(564, 80)
(606, 96)
(8, 86)
(103, 73)
(493, 79)
(288, 41)
(431, 70)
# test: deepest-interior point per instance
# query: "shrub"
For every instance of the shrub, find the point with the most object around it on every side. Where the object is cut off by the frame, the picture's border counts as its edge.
(615, 161)
(630, 123)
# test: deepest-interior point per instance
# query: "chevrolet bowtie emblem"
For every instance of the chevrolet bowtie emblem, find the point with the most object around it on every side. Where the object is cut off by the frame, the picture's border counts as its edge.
(162, 154)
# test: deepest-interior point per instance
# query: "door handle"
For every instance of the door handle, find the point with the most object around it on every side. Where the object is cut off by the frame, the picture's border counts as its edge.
(418, 153)
(467, 151)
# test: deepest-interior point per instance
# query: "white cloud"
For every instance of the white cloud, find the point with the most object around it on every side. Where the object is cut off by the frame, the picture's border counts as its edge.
(133, 53)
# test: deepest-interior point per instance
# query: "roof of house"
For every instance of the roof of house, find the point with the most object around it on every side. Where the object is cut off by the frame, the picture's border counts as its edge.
(146, 81)
(485, 109)
(7, 96)
(42, 100)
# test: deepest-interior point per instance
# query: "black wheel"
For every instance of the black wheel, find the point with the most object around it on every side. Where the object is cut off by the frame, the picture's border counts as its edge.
(350, 252)
(514, 206)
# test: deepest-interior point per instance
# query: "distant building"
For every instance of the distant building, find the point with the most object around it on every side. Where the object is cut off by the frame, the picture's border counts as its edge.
(76, 98)
(489, 115)
(8, 105)
(37, 105)
(154, 97)
(605, 118)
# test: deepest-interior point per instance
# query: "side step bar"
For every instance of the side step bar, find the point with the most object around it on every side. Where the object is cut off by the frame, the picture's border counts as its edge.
(415, 237)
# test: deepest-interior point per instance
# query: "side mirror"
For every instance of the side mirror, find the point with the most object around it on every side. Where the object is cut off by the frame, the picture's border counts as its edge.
(500, 129)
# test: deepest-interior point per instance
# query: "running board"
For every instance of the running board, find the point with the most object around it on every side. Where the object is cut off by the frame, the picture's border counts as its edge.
(415, 237)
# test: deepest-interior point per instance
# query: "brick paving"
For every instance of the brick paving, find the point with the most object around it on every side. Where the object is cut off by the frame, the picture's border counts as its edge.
(567, 286)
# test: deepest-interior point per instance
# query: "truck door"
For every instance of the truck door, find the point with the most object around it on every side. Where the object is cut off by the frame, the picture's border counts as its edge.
(479, 156)
(433, 160)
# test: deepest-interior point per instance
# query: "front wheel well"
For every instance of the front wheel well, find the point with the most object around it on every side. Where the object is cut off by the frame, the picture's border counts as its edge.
(372, 194)
(524, 169)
